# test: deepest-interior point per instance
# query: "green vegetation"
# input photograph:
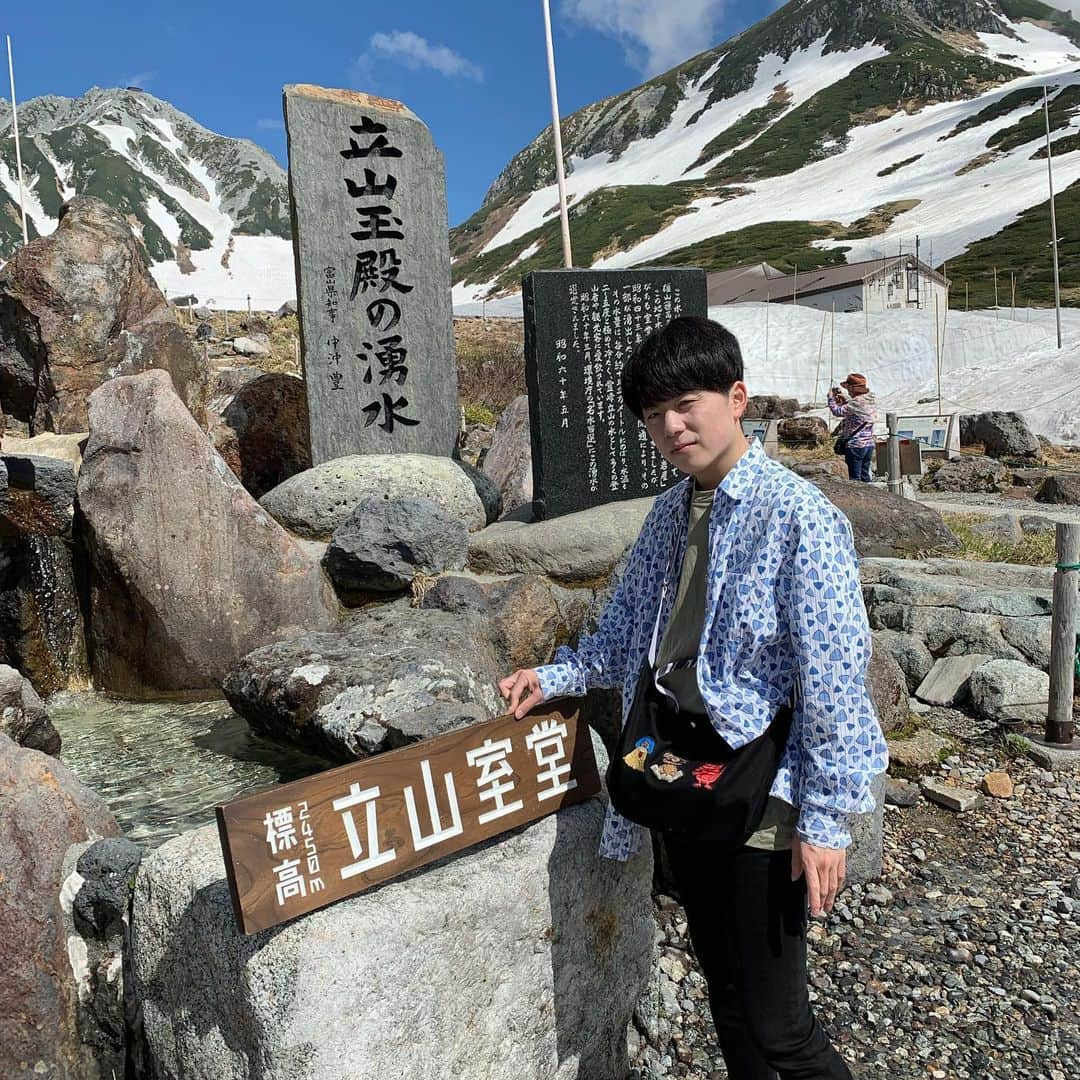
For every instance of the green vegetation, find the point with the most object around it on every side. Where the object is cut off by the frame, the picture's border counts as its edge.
(611, 219)
(749, 126)
(1006, 104)
(266, 212)
(783, 244)
(1023, 248)
(1033, 126)
(164, 163)
(1036, 549)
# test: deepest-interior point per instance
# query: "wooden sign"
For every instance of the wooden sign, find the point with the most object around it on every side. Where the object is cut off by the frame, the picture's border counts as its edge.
(301, 846)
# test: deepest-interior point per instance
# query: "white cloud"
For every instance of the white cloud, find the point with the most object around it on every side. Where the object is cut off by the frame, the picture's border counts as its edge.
(141, 80)
(655, 34)
(416, 52)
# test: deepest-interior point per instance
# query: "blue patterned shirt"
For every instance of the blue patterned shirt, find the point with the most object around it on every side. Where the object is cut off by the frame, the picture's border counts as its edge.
(784, 609)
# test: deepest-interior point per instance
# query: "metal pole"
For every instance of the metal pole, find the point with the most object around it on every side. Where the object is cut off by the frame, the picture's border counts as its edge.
(821, 346)
(556, 128)
(18, 148)
(1012, 283)
(795, 294)
(768, 298)
(832, 347)
(995, 294)
(1053, 215)
(1059, 719)
(226, 322)
(937, 341)
(895, 483)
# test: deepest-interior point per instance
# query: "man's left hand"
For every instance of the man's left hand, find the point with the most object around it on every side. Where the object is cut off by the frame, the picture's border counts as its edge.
(824, 869)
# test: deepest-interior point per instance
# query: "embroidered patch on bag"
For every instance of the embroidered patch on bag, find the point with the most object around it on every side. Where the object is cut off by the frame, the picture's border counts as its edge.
(706, 774)
(667, 768)
(639, 755)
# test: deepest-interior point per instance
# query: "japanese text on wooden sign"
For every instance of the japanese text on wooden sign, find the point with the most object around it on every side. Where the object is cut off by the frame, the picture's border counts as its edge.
(301, 846)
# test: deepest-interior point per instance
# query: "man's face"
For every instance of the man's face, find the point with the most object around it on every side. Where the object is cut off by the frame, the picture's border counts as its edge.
(699, 432)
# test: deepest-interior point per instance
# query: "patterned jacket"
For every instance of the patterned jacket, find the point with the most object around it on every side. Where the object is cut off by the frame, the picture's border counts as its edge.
(859, 413)
(784, 608)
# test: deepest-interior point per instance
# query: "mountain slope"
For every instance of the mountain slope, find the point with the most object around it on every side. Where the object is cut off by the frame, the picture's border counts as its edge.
(211, 212)
(852, 124)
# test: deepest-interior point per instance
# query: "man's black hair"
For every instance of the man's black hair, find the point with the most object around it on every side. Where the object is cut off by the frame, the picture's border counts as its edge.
(690, 353)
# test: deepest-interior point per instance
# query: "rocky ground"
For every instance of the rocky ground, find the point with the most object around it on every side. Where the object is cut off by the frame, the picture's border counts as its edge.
(961, 963)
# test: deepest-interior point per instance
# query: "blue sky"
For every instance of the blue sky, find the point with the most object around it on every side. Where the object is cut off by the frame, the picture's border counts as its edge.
(474, 70)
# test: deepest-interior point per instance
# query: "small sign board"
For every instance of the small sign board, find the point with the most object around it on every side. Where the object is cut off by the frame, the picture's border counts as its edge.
(767, 432)
(938, 434)
(301, 846)
(911, 453)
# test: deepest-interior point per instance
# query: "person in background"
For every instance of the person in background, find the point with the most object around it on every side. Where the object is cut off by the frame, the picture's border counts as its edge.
(859, 412)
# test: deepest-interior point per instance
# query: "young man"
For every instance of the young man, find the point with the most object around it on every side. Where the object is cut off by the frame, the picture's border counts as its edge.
(750, 572)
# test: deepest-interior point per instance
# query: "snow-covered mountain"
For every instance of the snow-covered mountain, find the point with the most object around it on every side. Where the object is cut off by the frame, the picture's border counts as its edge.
(212, 212)
(831, 130)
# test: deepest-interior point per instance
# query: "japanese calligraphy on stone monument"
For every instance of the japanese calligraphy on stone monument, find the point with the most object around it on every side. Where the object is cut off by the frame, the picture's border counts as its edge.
(580, 326)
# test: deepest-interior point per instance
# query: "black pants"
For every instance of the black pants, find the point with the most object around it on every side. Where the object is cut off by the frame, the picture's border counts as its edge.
(747, 922)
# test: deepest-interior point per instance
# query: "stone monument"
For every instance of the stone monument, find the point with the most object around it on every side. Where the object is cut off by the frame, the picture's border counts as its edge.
(370, 239)
(580, 326)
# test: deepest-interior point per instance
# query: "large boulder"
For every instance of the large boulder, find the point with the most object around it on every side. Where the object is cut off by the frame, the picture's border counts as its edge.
(23, 716)
(41, 613)
(1010, 688)
(577, 547)
(770, 407)
(909, 652)
(314, 503)
(381, 546)
(48, 444)
(887, 683)
(188, 574)
(389, 676)
(78, 307)
(884, 524)
(974, 473)
(803, 431)
(523, 957)
(261, 430)
(44, 811)
(1060, 488)
(509, 460)
(1002, 434)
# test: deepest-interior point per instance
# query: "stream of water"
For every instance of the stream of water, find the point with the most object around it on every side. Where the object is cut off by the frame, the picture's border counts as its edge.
(163, 766)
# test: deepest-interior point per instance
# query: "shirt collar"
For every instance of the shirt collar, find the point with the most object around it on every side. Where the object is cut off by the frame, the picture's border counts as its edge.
(743, 477)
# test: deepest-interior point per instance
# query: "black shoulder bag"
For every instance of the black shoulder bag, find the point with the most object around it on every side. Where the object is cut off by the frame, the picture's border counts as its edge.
(841, 444)
(673, 771)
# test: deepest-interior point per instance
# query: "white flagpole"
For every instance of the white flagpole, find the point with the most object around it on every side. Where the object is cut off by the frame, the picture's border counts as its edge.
(18, 150)
(1053, 216)
(556, 127)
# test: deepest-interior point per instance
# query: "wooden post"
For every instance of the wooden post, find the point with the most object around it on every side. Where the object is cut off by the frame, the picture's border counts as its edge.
(965, 296)
(1012, 280)
(226, 322)
(768, 300)
(249, 303)
(995, 294)
(821, 345)
(895, 483)
(1059, 719)
(832, 347)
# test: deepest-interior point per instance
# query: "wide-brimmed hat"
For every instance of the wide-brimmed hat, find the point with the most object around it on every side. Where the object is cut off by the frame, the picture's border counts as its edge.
(855, 384)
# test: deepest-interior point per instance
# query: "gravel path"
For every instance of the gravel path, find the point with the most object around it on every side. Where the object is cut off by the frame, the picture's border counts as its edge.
(956, 502)
(961, 963)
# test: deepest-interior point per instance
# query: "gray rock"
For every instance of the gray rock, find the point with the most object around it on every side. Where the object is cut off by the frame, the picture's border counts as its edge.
(203, 314)
(47, 444)
(803, 431)
(486, 488)
(923, 750)
(509, 459)
(1002, 434)
(1061, 488)
(901, 793)
(1000, 529)
(40, 496)
(952, 798)
(23, 717)
(288, 308)
(575, 547)
(770, 407)
(971, 473)
(864, 856)
(887, 683)
(314, 503)
(45, 811)
(107, 869)
(187, 572)
(523, 957)
(381, 546)
(389, 676)
(204, 332)
(948, 678)
(1036, 524)
(252, 345)
(389, 385)
(909, 651)
(1002, 688)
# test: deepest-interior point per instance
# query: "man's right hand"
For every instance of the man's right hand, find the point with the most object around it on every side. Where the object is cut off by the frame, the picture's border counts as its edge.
(521, 691)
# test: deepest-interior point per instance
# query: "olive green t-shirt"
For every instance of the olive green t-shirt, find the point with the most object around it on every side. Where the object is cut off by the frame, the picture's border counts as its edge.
(682, 639)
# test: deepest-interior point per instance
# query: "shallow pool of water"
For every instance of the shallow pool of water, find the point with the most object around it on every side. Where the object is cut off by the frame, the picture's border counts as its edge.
(162, 767)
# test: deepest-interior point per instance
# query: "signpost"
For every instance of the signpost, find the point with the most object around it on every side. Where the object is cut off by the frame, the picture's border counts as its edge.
(939, 434)
(301, 846)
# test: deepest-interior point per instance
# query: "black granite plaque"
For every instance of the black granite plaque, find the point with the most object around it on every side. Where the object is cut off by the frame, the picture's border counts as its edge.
(580, 326)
